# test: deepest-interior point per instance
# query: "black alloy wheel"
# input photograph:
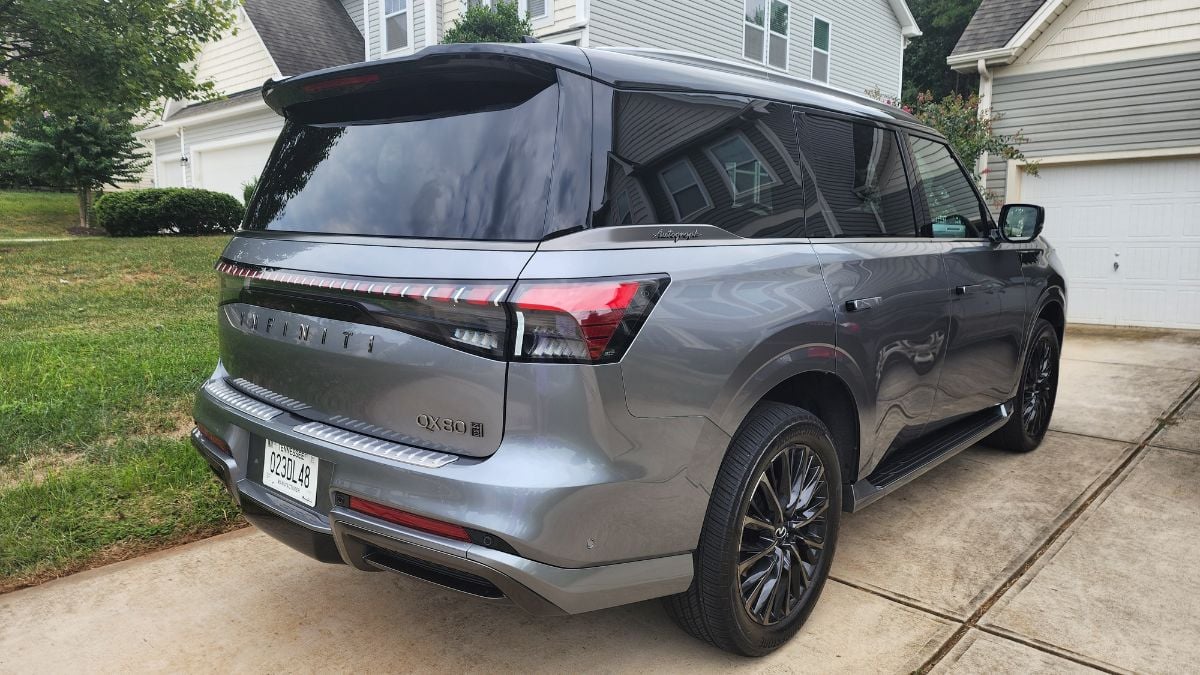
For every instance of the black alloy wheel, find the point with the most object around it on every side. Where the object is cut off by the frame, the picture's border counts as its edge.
(783, 534)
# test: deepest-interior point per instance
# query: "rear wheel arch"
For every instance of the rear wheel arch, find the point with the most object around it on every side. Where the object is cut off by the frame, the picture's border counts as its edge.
(830, 399)
(1052, 311)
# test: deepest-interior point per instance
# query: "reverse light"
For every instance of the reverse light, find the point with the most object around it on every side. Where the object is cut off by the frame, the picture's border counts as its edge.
(406, 519)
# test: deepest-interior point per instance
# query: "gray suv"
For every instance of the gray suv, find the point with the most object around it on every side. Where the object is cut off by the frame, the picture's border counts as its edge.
(574, 328)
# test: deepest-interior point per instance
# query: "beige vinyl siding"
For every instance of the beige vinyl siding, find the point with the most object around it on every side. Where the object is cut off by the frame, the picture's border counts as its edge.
(1141, 105)
(261, 120)
(236, 62)
(865, 37)
(1108, 30)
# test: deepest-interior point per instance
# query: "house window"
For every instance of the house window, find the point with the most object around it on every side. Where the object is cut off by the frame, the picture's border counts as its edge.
(745, 171)
(688, 196)
(765, 32)
(820, 50)
(396, 15)
(537, 9)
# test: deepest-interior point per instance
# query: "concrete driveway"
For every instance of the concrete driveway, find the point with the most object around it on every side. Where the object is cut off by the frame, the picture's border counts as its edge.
(1080, 556)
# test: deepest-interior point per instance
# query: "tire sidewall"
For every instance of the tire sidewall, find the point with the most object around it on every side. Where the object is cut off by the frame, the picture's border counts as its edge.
(1043, 332)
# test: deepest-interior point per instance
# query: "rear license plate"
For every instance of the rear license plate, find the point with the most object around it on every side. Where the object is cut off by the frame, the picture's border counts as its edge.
(290, 472)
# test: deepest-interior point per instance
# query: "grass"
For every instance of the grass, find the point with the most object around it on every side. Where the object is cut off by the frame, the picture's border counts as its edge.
(104, 344)
(37, 214)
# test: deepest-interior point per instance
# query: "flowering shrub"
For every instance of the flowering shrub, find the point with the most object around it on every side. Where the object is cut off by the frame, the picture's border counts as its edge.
(970, 133)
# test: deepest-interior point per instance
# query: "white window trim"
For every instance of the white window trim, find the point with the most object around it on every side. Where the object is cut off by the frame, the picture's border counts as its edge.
(708, 150)
(538, 21)
(708, 203)
(407, 49)
(827, 52)
(765, 61)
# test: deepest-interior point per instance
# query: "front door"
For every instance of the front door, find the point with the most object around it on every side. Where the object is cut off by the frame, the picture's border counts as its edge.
(984, 283)
(888, 286)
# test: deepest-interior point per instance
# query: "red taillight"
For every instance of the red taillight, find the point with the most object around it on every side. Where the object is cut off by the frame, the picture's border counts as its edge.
(341, 83)
(391, 515)
(214, 439)
(576, 321)
(591, 321)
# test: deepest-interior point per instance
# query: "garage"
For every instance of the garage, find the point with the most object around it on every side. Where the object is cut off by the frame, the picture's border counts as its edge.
(1128, 233)
(225, 168)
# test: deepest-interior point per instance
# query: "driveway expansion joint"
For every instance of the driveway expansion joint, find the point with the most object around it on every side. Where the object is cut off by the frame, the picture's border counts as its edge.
(1096, 492)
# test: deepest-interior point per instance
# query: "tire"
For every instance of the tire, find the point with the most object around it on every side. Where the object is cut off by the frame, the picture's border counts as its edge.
(735, 532)
(1034, 404)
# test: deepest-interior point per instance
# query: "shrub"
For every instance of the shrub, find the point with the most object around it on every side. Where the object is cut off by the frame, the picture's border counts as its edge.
(248, 189)
(140, 213)
(481, 23)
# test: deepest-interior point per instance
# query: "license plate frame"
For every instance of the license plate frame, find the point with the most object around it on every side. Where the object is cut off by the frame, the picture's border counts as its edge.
(292, 473)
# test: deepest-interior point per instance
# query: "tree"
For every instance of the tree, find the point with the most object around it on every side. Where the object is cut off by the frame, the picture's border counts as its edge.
(970, 132)
(481, 23)
(83, 152)
(925, 69)
(118, 54)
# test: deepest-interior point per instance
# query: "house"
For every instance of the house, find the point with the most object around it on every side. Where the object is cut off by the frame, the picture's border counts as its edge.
(1108, 94)
(221, 144)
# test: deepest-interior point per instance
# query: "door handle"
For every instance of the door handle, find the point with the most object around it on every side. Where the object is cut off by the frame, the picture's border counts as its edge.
(862, 304)
(969, 288)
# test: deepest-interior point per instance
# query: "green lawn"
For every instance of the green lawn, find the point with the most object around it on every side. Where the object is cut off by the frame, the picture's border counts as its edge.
(104, 343)
(37, 214)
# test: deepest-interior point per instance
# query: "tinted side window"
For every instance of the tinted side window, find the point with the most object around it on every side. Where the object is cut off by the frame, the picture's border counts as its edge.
(705, 159)
(862, 188)
(953, 207)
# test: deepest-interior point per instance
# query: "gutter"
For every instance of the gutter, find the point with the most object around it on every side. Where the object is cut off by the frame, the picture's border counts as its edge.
(169, 127)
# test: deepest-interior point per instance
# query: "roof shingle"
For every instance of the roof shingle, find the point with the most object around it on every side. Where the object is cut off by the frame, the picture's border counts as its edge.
(994, 24)
(306, 35)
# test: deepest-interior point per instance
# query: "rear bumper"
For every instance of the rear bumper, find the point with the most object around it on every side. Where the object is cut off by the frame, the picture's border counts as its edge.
(539, 500)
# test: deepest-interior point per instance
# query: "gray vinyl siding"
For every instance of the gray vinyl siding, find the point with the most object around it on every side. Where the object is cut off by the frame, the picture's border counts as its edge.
(355, 9)
(167, 147)
(865, 45)
(1137, 105)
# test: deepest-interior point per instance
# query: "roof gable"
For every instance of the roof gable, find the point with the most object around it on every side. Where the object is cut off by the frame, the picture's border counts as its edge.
(995, 23)
(305, 35)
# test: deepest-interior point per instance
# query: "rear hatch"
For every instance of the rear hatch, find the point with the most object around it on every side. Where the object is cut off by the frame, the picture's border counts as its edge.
(370, 288)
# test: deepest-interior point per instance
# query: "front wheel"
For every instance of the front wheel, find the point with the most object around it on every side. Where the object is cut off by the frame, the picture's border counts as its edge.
(769, 535)
(1035, 398)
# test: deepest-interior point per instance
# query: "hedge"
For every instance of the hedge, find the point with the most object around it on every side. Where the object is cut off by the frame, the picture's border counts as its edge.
(140, 213)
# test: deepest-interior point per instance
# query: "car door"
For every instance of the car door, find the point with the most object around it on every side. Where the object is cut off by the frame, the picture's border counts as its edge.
(984, 283)
(888, 286)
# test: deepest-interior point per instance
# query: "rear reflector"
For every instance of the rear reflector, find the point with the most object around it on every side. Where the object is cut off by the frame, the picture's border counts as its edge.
(391, 515)
(214, 439)
(571, 321)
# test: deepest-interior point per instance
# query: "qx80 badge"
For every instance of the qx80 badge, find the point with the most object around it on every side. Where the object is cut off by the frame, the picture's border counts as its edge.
(302, 332)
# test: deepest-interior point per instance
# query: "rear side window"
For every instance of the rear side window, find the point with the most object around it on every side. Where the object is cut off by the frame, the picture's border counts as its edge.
(862, 187)
(954, 209)
(703, 159)
(480, 175)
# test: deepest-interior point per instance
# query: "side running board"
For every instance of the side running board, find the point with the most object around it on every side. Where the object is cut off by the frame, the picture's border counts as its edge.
(907, 464)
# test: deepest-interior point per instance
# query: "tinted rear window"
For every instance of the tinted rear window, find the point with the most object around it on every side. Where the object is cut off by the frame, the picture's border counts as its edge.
(483, 175)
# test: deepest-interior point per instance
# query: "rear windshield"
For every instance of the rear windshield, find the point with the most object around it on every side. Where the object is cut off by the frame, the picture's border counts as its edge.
(482, 175)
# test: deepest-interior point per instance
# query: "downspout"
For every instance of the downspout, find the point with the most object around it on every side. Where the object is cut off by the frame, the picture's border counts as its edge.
(366, 30)
(985, 109)
(183, 158)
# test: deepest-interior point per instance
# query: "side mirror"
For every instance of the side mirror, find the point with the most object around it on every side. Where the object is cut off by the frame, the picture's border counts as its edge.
(1021, 223)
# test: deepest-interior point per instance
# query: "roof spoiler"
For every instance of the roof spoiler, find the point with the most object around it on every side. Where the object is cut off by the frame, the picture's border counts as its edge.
(446, 79)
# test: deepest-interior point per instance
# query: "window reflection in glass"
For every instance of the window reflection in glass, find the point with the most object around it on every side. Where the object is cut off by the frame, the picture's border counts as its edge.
(954, 209)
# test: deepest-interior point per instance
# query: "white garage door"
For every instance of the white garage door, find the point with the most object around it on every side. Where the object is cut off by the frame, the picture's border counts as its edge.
(170, 173)
(1128, 233)
(226, 169)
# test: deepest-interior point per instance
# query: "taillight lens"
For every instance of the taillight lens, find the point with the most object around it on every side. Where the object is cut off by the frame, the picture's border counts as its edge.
(466, 315)
(393, 515)
(574, 321)
(586, 321)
